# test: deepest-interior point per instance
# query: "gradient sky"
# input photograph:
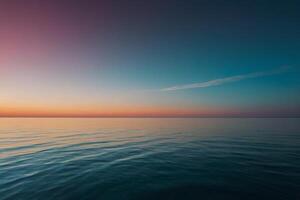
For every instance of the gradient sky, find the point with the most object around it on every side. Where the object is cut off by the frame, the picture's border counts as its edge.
(154, 58)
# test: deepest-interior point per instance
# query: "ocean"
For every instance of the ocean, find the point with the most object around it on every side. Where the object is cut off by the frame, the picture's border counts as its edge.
(149, 158)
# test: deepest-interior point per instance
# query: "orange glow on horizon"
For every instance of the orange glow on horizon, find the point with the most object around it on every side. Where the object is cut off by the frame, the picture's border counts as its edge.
(104, 111)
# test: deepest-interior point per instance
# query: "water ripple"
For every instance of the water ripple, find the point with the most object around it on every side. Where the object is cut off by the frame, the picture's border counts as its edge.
(152, 162)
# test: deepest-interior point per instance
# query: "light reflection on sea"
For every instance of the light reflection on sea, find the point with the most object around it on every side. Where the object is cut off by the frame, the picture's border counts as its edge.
(149, 158)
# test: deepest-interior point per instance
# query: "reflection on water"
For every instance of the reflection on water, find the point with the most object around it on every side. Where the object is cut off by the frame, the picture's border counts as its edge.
(149, 158)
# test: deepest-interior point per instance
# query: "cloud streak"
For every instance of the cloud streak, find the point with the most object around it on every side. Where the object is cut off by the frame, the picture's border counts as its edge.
(225, 80)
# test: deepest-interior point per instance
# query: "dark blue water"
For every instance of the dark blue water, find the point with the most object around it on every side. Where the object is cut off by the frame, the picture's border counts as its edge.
(149, 159)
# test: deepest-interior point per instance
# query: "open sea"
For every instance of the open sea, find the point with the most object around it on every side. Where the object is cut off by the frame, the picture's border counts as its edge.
(149, 158)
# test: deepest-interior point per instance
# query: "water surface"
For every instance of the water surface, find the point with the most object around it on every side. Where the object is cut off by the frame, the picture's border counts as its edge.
(149, 158)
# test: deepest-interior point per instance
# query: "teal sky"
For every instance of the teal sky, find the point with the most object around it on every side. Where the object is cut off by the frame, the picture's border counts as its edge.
(125, 56)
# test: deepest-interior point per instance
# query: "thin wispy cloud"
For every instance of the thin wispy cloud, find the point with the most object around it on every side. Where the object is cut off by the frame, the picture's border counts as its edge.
(222, 81)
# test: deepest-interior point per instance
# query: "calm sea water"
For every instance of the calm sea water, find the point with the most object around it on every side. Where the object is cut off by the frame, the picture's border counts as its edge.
(149, 159)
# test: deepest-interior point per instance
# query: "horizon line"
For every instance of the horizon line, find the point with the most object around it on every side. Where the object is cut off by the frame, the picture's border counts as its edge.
(214, 116)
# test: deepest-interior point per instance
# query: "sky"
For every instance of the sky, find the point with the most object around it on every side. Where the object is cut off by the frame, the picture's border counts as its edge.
(149, 58)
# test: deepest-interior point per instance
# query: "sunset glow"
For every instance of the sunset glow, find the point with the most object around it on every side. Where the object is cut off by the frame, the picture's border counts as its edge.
(102, 60)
